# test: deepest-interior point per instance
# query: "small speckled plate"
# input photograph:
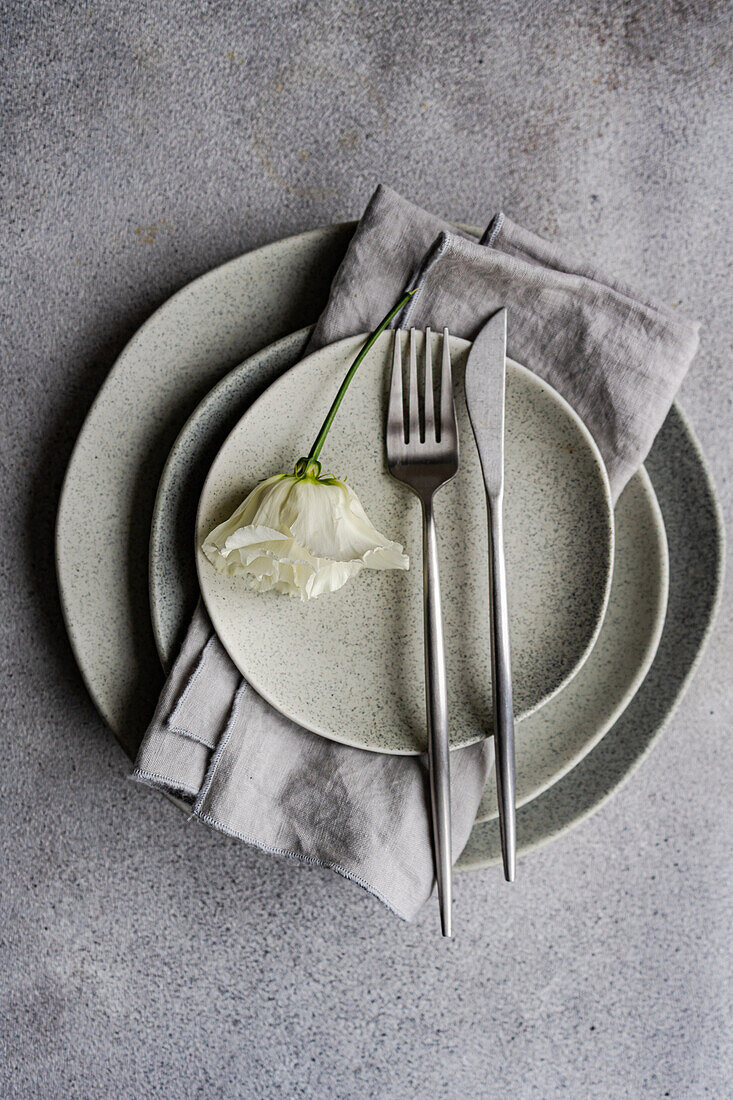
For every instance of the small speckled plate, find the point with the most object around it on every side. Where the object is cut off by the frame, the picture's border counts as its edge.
(350, 665)
(564, 730)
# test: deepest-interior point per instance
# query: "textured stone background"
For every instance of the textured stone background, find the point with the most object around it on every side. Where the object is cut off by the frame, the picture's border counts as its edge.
(141, 145)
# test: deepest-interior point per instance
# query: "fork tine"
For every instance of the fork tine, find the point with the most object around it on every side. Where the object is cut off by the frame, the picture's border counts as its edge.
(396, 409)
(430, 430)
(414, 408)
(448, 425)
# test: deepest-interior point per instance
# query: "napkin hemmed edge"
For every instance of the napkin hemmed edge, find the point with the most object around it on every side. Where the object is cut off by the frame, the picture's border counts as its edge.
(206, 816)
(166, 785)
(162, 783)
(209, 819)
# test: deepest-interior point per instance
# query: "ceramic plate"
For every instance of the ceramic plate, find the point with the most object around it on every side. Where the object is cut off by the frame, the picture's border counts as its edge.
(188, 345)
(694, 528)
(169, 365)
(366, 638)
(561, 732)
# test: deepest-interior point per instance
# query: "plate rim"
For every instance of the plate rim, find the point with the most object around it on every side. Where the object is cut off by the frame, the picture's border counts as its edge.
(645, 664)
(719, 547)
(166, 473)
(608, 544)
(117, 369)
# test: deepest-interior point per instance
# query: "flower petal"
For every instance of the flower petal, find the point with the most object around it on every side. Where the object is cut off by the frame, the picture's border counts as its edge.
(301, 536)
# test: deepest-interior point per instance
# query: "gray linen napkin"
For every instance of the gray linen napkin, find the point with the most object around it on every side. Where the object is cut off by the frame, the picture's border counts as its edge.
(616, 357)
(246, 770)
(255, 775)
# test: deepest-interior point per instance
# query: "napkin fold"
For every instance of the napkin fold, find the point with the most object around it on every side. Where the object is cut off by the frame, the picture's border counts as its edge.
(617, 357)
(255, 775)
(243, 768)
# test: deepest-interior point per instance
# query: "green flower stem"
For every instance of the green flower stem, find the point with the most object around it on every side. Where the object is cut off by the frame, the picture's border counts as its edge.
(325, 427)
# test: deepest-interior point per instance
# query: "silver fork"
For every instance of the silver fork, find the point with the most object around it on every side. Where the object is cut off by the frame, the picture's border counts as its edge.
(425, 461)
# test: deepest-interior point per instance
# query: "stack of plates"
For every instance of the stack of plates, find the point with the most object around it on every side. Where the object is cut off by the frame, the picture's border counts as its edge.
(129, 500)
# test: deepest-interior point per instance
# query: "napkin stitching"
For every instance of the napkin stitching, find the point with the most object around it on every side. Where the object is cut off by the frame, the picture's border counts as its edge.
(523, 243)
(534, 273)
(493, 230)
(431, 257)
(441, 244)
(170, 720)
(209, 778)
(152, 779)
(190, 736)
(209, 819)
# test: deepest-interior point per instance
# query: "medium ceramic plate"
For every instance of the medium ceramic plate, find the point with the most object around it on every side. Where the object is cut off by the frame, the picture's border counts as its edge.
(187, 346)
(350, 665)
(694, 528)
(548, 743)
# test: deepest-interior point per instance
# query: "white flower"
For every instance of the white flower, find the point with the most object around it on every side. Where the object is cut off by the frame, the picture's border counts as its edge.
(301, 534)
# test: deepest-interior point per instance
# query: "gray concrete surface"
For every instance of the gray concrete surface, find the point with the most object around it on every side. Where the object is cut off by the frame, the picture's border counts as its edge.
(140, 146)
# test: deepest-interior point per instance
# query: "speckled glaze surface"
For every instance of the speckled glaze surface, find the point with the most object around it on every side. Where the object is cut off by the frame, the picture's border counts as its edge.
(174, 589)
(695, 539)
(350, 665)
(171, 363)
(561, 732)
(187, 345)
(552, 741)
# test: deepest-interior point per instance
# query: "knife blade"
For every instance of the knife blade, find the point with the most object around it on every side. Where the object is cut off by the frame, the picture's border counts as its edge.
(485, 400)
(485, 396)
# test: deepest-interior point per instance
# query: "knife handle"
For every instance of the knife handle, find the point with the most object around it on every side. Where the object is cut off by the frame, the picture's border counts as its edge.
(501, 680)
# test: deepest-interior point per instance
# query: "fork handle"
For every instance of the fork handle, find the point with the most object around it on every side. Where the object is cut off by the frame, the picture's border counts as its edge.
(501, 679)
(437, 715)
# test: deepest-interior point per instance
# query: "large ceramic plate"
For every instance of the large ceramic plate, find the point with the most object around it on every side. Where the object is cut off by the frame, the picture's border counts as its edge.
(548, 743)
(185, 348)
(168, 366)
(366, 638)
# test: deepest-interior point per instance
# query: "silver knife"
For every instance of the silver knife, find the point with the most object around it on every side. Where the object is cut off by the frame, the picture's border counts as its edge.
(485, 393)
